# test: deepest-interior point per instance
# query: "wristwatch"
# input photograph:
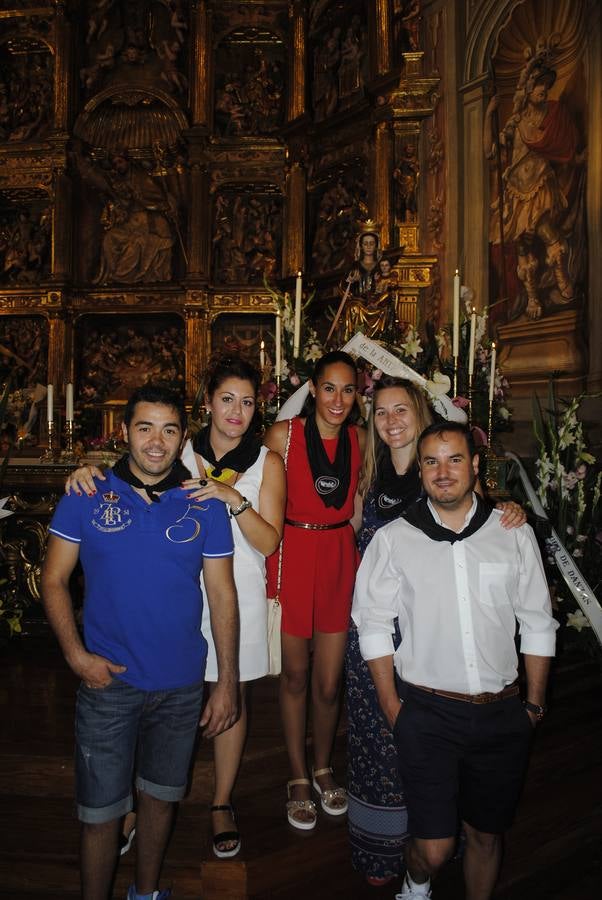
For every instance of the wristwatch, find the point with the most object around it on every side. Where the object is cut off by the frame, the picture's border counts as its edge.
(237, 510)
(537, 710)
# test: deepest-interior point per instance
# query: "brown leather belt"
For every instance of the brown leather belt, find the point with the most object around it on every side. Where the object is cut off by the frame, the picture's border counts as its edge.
(511, 690)
(316, 527)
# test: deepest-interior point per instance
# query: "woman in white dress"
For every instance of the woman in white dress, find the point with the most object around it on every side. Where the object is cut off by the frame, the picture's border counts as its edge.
(227, 461)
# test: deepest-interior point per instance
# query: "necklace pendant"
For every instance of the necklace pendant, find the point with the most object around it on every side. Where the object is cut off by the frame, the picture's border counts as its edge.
(225, 475)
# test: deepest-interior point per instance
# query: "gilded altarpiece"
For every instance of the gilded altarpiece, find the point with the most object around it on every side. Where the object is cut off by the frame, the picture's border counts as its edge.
(371, 103)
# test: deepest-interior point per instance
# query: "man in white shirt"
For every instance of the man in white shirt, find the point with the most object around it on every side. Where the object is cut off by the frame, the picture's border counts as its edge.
(458, 584)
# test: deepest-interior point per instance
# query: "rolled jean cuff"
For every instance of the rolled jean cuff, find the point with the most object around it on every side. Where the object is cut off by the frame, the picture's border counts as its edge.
(99, 815)
(168, 792)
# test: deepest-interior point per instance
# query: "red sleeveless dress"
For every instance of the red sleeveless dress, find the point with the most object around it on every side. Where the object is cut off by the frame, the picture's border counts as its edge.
(318, 567)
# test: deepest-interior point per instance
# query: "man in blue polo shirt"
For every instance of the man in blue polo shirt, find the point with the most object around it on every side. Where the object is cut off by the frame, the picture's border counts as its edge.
(142, 545)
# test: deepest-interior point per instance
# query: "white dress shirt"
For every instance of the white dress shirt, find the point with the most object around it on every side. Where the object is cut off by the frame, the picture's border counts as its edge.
(458, 604)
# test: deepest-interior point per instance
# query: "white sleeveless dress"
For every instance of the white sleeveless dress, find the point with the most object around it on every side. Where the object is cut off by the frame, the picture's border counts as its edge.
(249, 577)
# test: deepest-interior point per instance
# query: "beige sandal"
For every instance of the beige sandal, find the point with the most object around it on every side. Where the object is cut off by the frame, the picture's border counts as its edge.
(294, 807)
(333, 800)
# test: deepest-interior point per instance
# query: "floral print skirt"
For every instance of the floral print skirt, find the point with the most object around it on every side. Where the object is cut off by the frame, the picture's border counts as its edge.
(377, 815)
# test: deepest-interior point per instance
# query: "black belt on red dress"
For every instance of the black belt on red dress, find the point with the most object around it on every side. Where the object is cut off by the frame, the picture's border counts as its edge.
(312, 527)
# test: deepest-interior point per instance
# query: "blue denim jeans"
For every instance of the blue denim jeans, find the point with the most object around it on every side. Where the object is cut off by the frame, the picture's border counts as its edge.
(120, 730)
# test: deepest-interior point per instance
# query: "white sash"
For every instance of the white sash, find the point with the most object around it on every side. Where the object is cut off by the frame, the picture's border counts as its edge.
(565, 563)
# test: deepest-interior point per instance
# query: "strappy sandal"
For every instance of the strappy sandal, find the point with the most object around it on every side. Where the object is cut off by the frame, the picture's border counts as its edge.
(225, 837)
(333, 800)
(294, 807)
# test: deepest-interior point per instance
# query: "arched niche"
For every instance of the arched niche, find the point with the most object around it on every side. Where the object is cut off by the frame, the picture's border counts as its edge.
(26, 86)
(498, 32)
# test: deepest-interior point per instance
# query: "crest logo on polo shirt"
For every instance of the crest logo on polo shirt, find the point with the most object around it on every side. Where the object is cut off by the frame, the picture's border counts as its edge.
(326, 484)
(386, 502)
(110, 518)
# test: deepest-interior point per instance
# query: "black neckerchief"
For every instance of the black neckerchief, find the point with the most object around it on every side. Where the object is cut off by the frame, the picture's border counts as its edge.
(393, 493)
(331, 479)
(421, 517)
(239, 459)
(174, 478)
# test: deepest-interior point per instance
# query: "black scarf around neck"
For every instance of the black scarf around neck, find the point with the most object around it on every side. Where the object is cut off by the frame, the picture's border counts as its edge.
(239, 459)
(421, 517)
(176, 475)
(331, 479)
(394, 493)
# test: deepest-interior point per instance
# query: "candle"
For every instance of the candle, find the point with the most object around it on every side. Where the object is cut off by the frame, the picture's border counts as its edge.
(492, 374)
(473, 334)
(50, 403)
(69, 403)
(456, 322)
(278, 363)
(297, 329)
(262, 355)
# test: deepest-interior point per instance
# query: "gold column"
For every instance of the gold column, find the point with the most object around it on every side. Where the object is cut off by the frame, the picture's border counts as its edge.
(198, 223)
(196, 347)
(381, 180)
(294, 232)
(296, 98)
(382, 36)
(56, 348)
(61, 227)
(62, 68)
(200, 63)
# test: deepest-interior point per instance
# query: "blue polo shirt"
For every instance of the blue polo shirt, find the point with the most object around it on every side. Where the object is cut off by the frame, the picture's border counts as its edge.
(142, 561)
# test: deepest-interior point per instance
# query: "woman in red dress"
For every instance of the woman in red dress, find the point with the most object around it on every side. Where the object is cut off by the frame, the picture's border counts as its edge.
(319, 559)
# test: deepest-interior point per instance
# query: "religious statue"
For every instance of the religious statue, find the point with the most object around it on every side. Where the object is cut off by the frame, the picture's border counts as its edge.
(410, 21)
(536, 221)
(352, 54)
(140, 222)
(325, 88)
(405, 177)
(369, 306)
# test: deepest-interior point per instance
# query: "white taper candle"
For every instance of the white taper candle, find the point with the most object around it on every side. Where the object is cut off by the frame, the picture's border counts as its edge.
(471, 348)
(492, 373)
(456, 319)
(69, 402)
(297, 328)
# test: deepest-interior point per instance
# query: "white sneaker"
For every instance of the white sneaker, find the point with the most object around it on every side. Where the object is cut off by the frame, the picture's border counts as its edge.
(420, 890)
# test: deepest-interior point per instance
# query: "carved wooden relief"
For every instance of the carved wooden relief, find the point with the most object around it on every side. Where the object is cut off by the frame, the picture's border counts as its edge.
(338, 49)
(247, 234)
(132, 44)
(250, 74)
(115, 355)
(337, 205)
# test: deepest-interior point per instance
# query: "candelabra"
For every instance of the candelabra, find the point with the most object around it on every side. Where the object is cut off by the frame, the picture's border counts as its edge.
(49, 454)
(67, 454)
(470, 378)
(455, 394)
(491, 478)
(278, 401)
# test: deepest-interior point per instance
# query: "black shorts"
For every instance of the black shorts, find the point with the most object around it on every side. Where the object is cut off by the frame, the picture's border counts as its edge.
(460, 762)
